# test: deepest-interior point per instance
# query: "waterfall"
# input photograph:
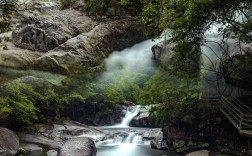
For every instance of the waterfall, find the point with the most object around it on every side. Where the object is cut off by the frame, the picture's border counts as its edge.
(129, 116)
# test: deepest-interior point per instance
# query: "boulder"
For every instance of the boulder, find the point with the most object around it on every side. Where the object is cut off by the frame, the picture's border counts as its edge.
(40, 140)
(66, 41)
(159, 144)
(80, 146)
(155, 133)
(52, 153)
(88, 50)
(9, 142)
(162, 52)
(47, 31)
(143, 118)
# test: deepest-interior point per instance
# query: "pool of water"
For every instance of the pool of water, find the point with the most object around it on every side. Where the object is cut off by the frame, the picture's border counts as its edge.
(132, 150)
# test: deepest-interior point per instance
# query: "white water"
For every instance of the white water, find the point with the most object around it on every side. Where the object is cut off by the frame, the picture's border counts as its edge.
(129, 116)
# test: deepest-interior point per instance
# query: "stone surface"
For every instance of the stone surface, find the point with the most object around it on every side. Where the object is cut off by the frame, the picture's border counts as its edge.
(88, 50)
(155, 133)
(65, 41)
(160, 145)
(199, 153)
(52, 153)
(80, 146)
(162, 52)
(31, 148)
(40, 140)
(17, 58)
(9, 142)
(143, 118)
(47, 31)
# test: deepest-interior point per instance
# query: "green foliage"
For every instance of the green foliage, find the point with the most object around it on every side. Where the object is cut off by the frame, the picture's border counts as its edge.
(112, 7)
(66, 3)
(190, 19)
(7, 10)
(17, 103)
(178, 98)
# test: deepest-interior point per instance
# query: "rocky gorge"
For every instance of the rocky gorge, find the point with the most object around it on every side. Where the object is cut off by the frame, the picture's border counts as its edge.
(46, 62)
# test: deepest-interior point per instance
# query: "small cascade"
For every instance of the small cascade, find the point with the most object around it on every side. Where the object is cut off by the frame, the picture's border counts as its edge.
(130, 138)
(138, 139)
(128, 117)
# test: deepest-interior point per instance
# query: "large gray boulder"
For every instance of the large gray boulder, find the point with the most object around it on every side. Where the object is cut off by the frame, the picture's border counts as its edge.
(80, 146)
(66, 41)
(88, 50)
(47, 31)
(162, 52)
(9, 142)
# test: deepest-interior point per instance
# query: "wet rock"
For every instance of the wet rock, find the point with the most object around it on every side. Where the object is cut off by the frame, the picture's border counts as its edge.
(9, 142)
(52, 153)
(80, 146)
(159, 144)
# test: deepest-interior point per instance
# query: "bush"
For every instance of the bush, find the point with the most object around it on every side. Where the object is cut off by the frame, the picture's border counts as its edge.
(66, 3)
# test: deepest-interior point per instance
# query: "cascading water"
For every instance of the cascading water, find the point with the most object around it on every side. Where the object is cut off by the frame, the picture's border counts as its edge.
(130, 138)
(129, 116)
(124, 140)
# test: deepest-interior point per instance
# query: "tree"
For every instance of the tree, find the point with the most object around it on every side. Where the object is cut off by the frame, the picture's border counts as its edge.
(190, 19)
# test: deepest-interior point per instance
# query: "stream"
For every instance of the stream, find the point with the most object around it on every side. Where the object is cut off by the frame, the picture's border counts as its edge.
(135, 143)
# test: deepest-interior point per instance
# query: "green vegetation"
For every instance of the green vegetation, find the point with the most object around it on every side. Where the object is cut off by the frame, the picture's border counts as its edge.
(113, 7)
(190, 19)
(178, 90)
(7, 10)
(66, 3)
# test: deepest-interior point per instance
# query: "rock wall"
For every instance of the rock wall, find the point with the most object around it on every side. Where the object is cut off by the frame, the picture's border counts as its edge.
(67, 41)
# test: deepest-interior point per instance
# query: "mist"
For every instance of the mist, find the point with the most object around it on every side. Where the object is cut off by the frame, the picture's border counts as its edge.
(213, 52)
(131, 62)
